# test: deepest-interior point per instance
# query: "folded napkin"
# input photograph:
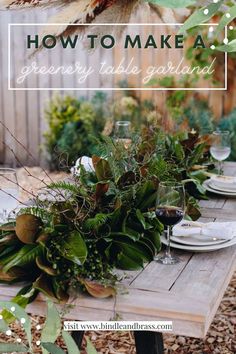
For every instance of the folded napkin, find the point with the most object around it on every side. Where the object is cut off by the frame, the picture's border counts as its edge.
(208, 231)
(86, 162)
(225, 182)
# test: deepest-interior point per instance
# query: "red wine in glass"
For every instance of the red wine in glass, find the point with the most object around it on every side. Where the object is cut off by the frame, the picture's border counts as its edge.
(170, 205)
(169, 215)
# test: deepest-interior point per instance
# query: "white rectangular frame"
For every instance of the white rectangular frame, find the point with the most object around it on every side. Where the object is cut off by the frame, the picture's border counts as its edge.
(10, 25)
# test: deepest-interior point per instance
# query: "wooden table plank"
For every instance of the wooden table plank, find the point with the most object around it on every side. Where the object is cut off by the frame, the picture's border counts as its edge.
(213, 202)
(158, 277)
(208, 271)
(226, 214)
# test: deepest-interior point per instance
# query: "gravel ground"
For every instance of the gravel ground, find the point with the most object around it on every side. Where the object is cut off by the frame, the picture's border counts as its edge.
(221, 337)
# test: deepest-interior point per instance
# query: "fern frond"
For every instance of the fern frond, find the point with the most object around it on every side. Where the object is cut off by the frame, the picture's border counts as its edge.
(64, 186)
(41, 213)
(96, 222)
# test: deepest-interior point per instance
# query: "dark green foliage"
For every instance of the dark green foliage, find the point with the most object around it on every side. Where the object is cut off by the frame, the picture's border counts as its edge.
(199, 116)
(72, 124)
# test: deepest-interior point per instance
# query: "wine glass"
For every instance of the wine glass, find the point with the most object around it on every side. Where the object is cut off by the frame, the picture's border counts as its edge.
(122, 133)
(170, 206)
(220, 147)
(9, 192)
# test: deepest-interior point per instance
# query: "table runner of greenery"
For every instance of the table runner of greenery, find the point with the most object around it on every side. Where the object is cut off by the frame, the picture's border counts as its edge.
(101, 220)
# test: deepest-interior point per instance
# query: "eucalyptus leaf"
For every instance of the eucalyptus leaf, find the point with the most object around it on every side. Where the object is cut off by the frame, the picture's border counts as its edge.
(19, 313)
(229, 48)
(11, 348)
(3, 326)
(225, 20)
(52, 327)
(90, 348)
(51, 348)
(72, 347)
(199, 17)
(22, 298)
(174, 4)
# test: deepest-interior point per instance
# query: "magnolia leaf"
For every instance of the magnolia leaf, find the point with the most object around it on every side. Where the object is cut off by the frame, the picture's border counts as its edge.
(72, 347)
(59, 292)
(229, 48)
(101, 189)
(8, 227)
(225, 20)
(43, 284)
(149, 243)
(8, 238)
(74, 248)
(51, 348)
(200, 16)
(90, 348)
(19, 313)
(174, 4)
(131, 255)
(42, 238)
(142, 220)
(11, 348)
(154, 237)
(52, 327)
(127, 232)
(144, 192)
(13, 274)
(27, 227)
(98, 290)
(127, 179)
(26, 255)
(102, 168)
(45, 266)
(126, 263)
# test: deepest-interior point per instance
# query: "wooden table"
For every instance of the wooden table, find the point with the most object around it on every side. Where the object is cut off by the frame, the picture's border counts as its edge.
(188, 293)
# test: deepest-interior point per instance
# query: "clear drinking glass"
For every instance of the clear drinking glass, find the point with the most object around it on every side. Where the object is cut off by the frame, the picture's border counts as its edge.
(9, 192)
(220, 147)
(170, 205)
(122, 133)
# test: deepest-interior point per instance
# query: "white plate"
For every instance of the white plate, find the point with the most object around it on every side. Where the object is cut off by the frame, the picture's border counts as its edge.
(212, 185)
(209, 189)
(200, 248)
(197, 240)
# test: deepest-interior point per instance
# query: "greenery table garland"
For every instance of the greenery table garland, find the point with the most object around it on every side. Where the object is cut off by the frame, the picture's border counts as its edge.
(101, 220)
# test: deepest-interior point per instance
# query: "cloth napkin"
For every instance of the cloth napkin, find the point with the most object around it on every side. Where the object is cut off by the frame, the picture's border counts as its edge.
(208, 231)
(225, 182)
(86, 162)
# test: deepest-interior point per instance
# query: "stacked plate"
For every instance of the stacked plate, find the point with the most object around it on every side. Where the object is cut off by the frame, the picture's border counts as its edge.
(193, 239)
(191, 244)
(222, 185)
